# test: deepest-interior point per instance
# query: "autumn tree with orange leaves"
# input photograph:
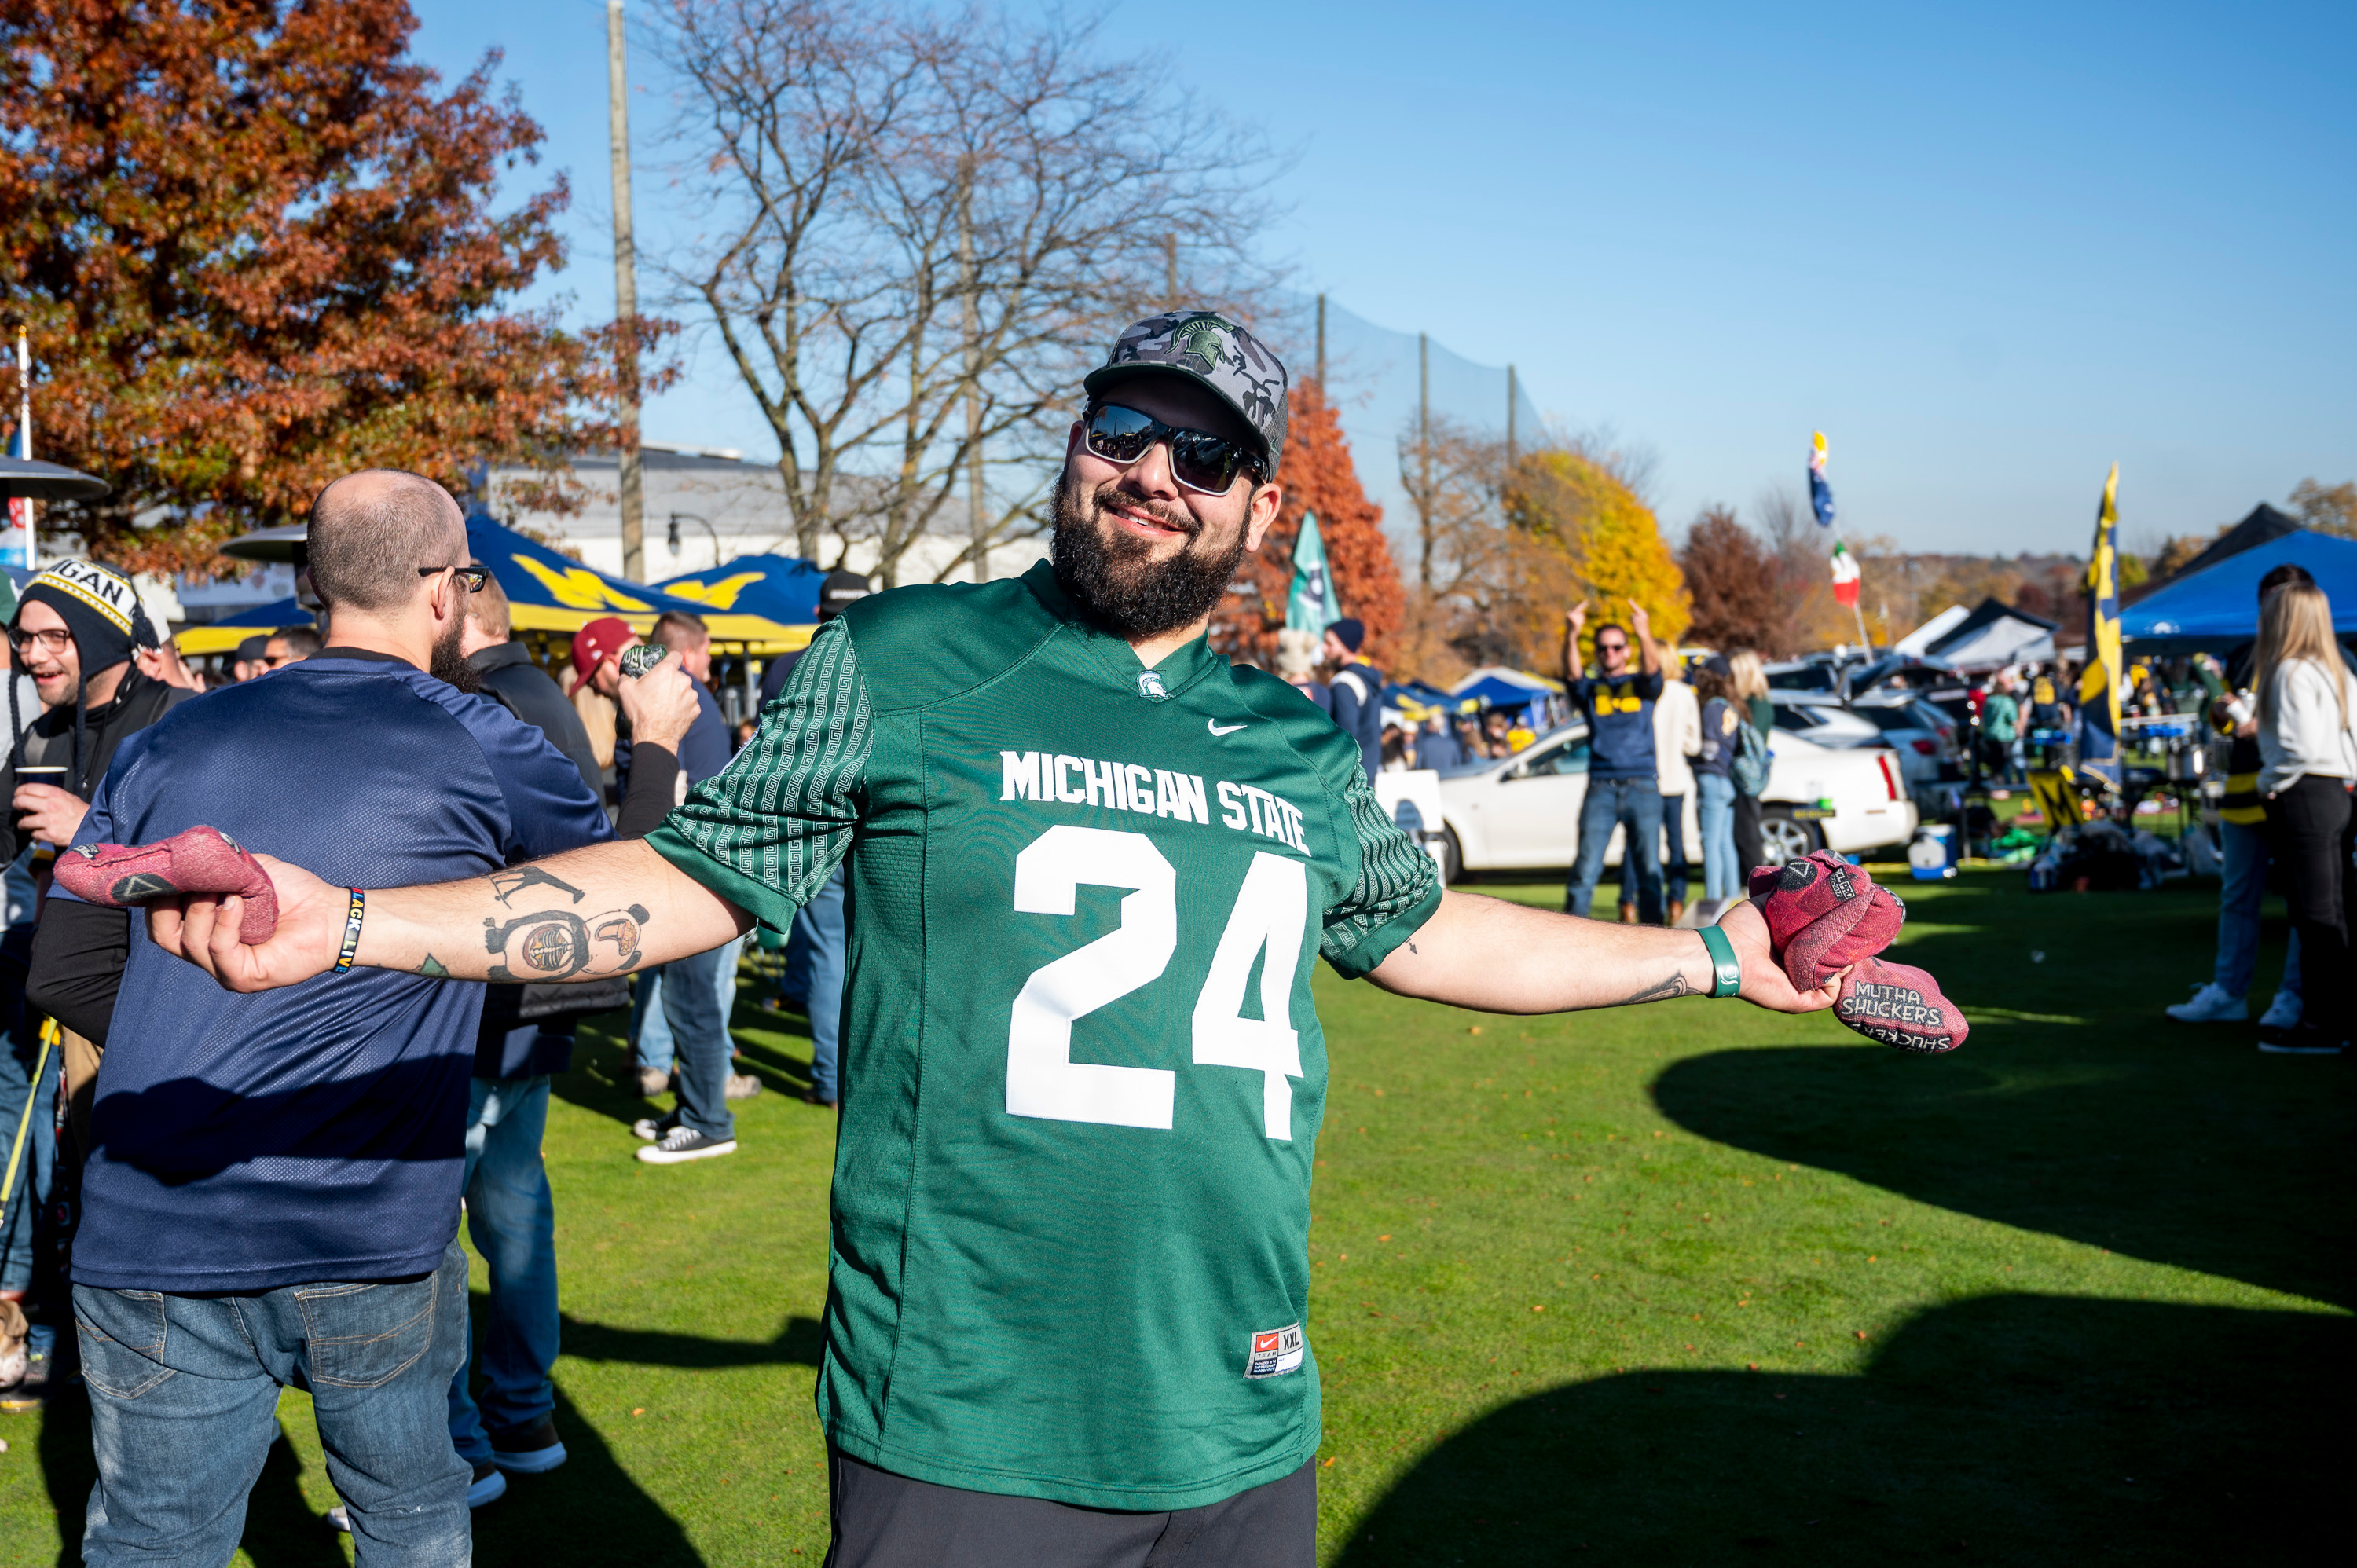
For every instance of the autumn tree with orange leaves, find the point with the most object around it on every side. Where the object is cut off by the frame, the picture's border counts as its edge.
(1318, 476)
(257, 248)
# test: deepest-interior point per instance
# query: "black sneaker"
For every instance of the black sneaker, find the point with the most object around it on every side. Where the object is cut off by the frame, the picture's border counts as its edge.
(528, 1450)
(683, 1143)
(2303, 1039)
(652, 1129)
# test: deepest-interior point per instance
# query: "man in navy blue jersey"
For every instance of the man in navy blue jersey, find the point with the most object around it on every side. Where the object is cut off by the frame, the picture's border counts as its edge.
(271, 1194)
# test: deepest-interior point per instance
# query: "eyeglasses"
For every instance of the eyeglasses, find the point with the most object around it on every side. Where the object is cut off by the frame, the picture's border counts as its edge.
(1200, 460)
(54, 641)
(476, 578)
(1611, 648)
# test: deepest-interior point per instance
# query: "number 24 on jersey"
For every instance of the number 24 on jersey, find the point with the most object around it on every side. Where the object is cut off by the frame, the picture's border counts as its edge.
(1271, 913)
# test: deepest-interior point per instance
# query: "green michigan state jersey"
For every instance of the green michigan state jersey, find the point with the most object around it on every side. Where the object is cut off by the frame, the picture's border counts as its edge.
(1081, 1075)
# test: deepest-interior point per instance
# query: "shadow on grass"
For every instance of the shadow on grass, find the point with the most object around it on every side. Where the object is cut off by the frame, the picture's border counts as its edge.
(2075, 1108)
(589, 1510)
(2013, 1429)
(797, 1343)
(601, 1083)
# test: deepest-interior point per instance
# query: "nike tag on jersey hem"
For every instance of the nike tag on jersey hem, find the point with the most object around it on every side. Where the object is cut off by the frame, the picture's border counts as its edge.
(1275, 1353)
(1218, 728)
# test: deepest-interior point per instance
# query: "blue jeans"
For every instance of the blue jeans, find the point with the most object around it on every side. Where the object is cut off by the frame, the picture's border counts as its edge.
(2242, 886)
(1635, 805)
(184, 1407)
(651, 1029)
(511, 1215)
(689, 992)
(1679, 872)
(814, 954)
(1716, 812)
(37, 1165)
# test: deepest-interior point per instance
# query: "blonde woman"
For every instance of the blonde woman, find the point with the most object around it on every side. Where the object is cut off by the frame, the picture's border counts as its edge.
(1749, 678)
(2308, 762)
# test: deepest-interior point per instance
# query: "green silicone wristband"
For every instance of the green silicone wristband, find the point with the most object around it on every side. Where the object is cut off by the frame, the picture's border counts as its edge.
(1726, 975)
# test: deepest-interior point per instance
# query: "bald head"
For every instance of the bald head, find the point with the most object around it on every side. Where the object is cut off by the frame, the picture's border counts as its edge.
(371, 531)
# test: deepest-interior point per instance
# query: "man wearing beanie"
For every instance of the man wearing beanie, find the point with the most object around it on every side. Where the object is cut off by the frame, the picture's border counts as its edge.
(1356, 691)
(77, 629)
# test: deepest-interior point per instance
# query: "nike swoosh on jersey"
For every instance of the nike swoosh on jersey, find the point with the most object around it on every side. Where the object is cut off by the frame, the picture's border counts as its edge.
(1215, 729)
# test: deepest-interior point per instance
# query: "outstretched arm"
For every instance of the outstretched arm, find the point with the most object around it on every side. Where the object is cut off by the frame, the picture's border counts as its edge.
(608, 910)
(1498, 957)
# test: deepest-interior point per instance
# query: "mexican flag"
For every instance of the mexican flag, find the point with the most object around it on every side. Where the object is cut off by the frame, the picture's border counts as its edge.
(1844, 576)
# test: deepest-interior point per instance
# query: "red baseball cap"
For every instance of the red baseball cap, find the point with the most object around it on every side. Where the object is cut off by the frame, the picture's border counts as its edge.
(594, 644)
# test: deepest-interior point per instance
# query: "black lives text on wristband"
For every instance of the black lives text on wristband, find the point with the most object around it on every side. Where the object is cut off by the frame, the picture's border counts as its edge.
(352, 932)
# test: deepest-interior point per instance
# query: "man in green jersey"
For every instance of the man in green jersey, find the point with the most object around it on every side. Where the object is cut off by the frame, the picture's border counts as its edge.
(1091, 864)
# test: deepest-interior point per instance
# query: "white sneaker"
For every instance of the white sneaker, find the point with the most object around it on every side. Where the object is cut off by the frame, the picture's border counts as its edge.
(2210, 1004)
(2283, 1011)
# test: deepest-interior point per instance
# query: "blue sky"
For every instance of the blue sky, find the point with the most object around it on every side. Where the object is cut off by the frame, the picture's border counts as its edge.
(1988, 251)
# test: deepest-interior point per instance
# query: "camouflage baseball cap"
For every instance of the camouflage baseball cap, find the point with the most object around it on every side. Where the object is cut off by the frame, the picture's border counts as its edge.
(1206, 346)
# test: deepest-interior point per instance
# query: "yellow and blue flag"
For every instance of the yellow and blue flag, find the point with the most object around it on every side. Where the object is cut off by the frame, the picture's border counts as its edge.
(2099, 685)
(1821, 494)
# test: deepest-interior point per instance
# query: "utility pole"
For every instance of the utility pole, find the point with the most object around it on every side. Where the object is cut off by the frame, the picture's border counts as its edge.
(626, 311)
(1509, 416)
(978, 514)
(1171, 270)
(1321, 345)
(1424, 455)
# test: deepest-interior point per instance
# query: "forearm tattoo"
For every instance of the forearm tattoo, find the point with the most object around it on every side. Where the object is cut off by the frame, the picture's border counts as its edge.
(551, 945)
(506, 883)
(1675, 985)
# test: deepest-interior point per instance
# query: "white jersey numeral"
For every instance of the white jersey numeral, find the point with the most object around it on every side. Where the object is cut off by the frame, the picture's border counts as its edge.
(1271, 915)
(1271, 910)
(1042, 1079)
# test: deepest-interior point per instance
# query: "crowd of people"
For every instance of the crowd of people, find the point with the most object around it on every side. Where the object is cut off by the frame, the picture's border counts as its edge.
(267, 1145)
(1658, 734)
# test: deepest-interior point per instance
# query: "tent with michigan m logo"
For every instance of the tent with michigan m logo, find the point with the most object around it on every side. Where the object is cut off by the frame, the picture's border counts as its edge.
(779, 587)
(548, 592)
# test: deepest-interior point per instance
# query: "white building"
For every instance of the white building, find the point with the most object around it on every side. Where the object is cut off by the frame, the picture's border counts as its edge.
(706, 505)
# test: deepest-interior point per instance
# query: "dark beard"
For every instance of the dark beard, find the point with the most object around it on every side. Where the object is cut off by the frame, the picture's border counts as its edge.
(449, 664)
(1116, 581)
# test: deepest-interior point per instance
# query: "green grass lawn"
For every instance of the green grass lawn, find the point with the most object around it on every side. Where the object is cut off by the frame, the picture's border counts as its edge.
(1691, 1281)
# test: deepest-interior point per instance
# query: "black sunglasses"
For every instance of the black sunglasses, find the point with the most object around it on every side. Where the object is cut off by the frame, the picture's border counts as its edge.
(1199, 459)
(476, 578)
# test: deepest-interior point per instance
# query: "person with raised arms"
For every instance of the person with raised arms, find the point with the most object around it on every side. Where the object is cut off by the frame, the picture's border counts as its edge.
(1069, 1273)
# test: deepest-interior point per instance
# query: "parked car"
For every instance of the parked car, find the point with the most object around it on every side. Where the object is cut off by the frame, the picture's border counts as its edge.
(1521, 813)
(1923, 737)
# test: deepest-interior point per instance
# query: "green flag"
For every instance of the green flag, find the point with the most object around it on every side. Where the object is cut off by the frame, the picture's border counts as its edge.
(1310, 607)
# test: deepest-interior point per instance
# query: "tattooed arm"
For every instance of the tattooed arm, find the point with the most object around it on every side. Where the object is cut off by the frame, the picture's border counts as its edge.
(1498, 957)
(607, 910)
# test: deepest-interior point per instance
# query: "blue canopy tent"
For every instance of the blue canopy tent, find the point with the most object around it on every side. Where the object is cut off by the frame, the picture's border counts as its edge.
(549, 593)
(781, 588)
(222, 635)
(1419, 699)
(1491, 692)
(2218, 608)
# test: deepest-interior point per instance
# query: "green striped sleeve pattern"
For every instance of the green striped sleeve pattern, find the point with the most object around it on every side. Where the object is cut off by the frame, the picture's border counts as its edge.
(769, 830)
(1398, 887)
